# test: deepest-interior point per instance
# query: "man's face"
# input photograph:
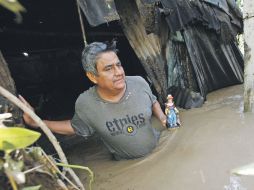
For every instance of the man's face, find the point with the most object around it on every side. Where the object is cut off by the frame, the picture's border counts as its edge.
(111, 75)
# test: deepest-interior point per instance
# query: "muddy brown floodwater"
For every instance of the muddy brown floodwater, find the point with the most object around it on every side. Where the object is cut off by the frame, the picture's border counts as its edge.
(213, 140)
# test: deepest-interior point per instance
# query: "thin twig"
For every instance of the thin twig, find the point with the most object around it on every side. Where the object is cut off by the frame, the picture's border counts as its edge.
(56, 168)
(32, 169)
(248, 16)
(45, 129)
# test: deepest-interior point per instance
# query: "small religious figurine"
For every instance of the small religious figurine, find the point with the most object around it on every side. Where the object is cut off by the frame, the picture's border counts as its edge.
(172, 113)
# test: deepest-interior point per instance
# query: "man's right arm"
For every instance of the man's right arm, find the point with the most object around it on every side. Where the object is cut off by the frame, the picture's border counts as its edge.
(60, 127)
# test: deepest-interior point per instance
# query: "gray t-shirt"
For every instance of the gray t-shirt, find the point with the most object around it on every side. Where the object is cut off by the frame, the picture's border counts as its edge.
(125, 126)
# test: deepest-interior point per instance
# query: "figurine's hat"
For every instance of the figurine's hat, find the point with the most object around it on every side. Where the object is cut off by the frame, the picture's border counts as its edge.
(169, 96)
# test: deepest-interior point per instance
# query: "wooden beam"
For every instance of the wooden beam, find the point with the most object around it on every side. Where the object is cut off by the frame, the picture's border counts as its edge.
(148, 48)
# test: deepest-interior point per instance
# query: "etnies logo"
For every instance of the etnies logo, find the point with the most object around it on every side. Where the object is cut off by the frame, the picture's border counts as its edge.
(130, 129)
(127, 125)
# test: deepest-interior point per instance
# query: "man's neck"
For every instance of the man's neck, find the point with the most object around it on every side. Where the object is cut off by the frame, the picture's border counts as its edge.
(110, 96)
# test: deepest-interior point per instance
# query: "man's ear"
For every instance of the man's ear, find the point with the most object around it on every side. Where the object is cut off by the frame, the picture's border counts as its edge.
(91, 77)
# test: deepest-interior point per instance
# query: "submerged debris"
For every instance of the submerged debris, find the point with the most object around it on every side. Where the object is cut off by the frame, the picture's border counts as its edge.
(234, 184)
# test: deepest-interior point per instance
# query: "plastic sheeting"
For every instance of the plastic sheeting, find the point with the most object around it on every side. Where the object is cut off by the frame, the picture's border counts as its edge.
(183, 14)
(179, 14)
(186, 98)
(99, 11)
(215, 64)
(228, 6)
(219, 3)
(209, 35)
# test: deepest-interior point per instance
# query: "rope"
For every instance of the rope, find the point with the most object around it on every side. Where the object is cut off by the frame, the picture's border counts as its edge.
(81, 24)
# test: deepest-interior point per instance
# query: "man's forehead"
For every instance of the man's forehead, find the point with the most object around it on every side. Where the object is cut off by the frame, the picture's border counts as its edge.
(108, 64)
(107, 53)
(108, 58)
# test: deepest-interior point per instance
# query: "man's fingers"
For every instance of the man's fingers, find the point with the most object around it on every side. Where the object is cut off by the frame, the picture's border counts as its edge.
(164, 122)
(28, 120)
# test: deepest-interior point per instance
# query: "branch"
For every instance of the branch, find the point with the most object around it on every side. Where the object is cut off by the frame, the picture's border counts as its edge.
(45, 129)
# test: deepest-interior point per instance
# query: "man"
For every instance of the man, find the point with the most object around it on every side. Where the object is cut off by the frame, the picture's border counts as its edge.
(117, 108)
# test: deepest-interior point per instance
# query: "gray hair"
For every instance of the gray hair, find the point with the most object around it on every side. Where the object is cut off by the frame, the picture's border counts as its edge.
(91, 53)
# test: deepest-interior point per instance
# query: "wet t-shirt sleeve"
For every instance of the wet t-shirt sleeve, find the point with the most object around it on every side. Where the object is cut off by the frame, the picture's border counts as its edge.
(147, 89)
(81, 127)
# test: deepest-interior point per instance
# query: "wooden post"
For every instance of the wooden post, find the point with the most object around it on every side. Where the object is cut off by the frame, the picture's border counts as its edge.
(7, 82)
(148, 48)
(248, 8)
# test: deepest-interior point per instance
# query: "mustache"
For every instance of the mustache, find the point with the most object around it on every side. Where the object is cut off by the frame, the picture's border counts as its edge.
(119, 78)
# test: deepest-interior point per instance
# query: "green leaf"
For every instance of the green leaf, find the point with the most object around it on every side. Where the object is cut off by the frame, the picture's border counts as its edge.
(32, 187)
(15, 7)
(15, 138)
(1, 164)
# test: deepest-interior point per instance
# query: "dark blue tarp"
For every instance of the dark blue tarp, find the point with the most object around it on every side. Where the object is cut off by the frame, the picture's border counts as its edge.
(215, 63)
(99, 11)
